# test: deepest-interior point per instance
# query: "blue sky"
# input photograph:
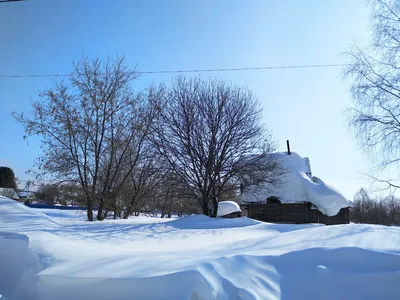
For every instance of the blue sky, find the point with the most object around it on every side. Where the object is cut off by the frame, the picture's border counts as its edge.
(305, 106)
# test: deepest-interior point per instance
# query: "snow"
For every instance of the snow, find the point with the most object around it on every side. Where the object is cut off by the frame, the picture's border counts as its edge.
(194, 257)
(9, 192)
(227, 207)
(13, 253)
(25, 194)
(297, 185)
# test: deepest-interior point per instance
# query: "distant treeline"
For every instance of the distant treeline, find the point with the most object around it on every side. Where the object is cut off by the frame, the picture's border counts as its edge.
(368, 210)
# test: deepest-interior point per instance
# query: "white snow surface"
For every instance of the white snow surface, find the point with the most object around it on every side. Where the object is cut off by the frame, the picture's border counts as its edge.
(227, 207)
(192, 258)
(297, 186)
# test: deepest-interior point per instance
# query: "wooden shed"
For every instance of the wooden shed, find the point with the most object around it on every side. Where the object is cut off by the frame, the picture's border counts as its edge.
(299, 198)
(296, 213)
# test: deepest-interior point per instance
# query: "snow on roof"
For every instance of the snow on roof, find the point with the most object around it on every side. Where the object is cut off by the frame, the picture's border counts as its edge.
(298, 186)
(9, 192)
(227, 207)
(25, 194)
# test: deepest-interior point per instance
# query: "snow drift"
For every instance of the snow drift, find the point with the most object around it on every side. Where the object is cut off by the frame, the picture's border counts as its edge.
(227, 207)
(13, 259)
(297, 185)
(195, 257)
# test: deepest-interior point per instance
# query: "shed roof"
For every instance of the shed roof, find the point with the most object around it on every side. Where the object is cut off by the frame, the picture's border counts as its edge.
(297, 185)
(9, 192)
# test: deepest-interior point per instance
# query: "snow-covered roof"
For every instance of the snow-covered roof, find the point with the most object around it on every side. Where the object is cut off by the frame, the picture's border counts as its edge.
(297, 185)
(25, 194)
(227, 207)
(9, 192)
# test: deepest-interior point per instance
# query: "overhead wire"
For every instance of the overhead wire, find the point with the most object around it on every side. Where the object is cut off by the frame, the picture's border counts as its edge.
(4, 76)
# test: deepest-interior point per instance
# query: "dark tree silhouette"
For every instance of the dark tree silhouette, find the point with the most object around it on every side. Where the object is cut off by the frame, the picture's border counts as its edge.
(7, 178)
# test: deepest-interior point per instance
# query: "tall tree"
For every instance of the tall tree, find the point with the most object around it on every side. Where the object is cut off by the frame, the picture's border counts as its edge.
(7, 178)
(206, 130)
(374, 73)
(89, 126)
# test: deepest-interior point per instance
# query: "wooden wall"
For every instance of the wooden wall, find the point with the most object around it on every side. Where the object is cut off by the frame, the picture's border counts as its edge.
(297, 213)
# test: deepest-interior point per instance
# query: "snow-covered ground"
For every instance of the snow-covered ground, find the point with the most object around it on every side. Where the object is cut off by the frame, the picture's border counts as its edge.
(46, 255)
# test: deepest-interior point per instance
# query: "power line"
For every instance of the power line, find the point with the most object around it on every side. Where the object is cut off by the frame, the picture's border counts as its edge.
(193, 70)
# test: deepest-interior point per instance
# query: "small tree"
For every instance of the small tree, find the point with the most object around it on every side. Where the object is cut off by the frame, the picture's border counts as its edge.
(209, 133)
(392, 205)
(172, 197)
(7, 178)
(145, 177)
(48, 193)
(384, 211)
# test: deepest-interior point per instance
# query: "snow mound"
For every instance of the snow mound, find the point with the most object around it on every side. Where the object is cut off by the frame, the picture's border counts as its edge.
(19, 216)
(204, 222)
(297, 186)
(315, 273)
(13, 259)
(60, 215)
(227, 207)
(193, 258)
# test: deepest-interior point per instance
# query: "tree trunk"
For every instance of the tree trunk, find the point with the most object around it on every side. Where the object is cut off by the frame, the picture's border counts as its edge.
(90, 210)
(130, 207)
(205, 208)
(215, 207)
(105, 214)
(163, 211)
(100, 211)
(126, 213)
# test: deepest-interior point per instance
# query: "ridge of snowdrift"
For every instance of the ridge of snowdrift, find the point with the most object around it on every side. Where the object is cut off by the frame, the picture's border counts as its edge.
(202, 258)
(315, 273)
(15, 214)
(297, 186)
(205, 222)
(13, 259)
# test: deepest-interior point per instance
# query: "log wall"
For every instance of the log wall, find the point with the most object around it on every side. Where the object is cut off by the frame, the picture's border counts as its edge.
(297, 213)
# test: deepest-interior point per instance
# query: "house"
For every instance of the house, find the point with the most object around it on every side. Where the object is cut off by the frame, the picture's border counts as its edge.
(26, 196)
(9, 193)
(299, 198)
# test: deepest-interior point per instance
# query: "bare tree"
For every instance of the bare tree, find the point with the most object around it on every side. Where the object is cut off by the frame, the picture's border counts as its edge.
(48, 193)
(370, 210)
(89, 127)
(375, 86)
(146, 175)
(207, 129)
(65, 194)
(173, 198)
(392, 205)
